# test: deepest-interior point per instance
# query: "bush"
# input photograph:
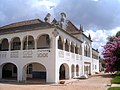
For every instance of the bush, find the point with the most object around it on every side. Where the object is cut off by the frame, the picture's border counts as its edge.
(116, 80)
(117, 73)
(114, 88)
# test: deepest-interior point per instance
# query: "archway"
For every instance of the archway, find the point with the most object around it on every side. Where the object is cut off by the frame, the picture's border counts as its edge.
(64, 71)
(9, 71)
(60, 43)
(35, 72)
(43, 42)
(28, 42)
(66, 46)
(73, 70)
(16, 44)
(77, 70)
(4, 45)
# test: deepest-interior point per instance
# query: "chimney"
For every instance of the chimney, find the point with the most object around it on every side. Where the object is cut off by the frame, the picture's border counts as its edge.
(81, 28)
(63, 17)
(47, 18)
(63, 22)
(89, 36)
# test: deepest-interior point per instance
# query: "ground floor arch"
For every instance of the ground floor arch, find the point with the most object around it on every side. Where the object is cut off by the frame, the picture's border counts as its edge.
(73, 71)
(87, 68)
(77, 70)
(64, 71)
(35, 72)
(9, 71)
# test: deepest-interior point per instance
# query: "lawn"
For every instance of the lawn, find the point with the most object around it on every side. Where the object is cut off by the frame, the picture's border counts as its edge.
(116, 80)
(114, 88)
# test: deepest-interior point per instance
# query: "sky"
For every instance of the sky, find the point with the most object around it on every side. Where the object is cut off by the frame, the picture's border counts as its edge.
(100, 18)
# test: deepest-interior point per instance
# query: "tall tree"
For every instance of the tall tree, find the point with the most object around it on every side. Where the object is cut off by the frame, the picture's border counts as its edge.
(111, 53)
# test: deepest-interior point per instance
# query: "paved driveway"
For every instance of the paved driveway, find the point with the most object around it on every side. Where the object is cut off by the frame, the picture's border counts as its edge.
(98, 82)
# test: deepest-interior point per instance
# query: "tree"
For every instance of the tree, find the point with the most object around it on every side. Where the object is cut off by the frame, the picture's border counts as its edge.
(118, 33)
(111, 53)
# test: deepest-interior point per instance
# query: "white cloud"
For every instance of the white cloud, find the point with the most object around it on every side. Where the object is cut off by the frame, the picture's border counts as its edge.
(42, 4)
(99, 37)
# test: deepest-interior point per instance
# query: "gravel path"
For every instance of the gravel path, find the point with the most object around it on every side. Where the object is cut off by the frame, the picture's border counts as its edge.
(98, 82)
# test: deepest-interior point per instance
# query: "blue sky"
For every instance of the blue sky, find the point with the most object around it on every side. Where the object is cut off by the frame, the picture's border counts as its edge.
(100, 18)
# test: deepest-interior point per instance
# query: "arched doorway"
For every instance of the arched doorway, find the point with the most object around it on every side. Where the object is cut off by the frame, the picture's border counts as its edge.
(73, 70)
(64, 71)
(77, 70)
(35, 72)
(9, 71)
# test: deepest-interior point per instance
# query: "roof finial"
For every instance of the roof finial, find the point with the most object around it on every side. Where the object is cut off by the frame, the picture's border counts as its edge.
(89, 36)
(81, 28)
(47, 18)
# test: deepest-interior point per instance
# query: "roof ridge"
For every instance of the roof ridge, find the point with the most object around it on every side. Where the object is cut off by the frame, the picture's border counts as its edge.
(22, 23)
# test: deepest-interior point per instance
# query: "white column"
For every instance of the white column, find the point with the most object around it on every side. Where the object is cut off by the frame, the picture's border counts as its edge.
(70, 73)
(21, 74)
(21, 45)
(35, 43)
(91, 67)
(9, 46)
(82, 58)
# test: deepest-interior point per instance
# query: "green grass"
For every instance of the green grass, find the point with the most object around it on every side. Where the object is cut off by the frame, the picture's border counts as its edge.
(114, 88)
(116, 80)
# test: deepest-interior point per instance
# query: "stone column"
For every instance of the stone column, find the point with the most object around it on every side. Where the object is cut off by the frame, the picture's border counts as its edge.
(83, 58)
(21, 45)
(35, 43)
(70, 73)
(21, 77)
(9, 46)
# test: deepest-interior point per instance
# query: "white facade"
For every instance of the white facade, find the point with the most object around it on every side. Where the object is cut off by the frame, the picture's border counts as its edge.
(47, 54)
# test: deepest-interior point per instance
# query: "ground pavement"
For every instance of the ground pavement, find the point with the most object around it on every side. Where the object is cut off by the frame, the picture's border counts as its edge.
(97, 82)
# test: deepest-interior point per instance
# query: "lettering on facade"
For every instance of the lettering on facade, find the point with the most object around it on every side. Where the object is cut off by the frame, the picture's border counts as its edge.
(73, 56)
(77, 57)
(61, 54)
(3, 55)
(14, 54)
(27, 54)
(42, 55)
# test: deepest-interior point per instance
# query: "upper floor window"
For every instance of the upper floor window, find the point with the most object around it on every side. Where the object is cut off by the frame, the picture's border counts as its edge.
(4, 46)
(60, 43)
(43, 42)
(76, 50)
(72, 48)
(66, 46)
(28, 43)
(16, 44)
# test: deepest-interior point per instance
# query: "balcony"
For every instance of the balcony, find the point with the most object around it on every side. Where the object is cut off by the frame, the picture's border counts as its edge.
(69, 56)
(38, 53)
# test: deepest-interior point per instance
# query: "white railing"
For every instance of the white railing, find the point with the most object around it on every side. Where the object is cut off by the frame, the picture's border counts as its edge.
(87, 59)
(68, 55)
(39, 53)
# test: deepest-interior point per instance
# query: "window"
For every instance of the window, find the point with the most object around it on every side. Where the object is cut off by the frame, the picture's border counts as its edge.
(29, 69)
(60, 44)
